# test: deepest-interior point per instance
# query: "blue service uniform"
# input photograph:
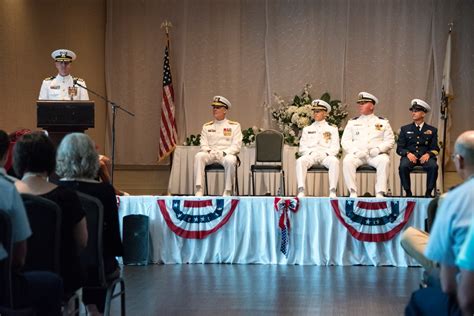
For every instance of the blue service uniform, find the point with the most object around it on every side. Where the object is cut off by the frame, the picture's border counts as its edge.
(418, 142)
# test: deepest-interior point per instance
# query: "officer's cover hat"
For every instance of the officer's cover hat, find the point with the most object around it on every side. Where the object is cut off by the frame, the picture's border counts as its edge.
(221, 101)
(63, 55)
(364, 97)
(321, 105)
(420, 105)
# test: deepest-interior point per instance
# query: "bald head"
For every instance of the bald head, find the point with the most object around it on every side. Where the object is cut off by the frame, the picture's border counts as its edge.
(465, 147)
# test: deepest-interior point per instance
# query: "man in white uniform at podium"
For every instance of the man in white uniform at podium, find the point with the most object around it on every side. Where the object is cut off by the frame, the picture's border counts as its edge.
(62, 86)
(221, 140)
(367, 139)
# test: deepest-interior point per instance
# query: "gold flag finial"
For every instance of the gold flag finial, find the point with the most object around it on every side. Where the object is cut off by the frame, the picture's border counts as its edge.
(167, 25)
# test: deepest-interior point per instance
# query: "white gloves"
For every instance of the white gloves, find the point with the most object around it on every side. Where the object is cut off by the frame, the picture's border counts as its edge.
(318, 156)
(216, 154)
(360, 154)
(374, 152)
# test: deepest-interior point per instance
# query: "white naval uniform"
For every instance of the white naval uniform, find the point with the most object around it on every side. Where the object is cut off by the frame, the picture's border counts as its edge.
(217, 138)
(319, 144)
(57, 88)
(367, 139)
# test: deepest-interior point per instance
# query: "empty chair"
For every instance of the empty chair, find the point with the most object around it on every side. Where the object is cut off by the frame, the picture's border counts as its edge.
(268, 157)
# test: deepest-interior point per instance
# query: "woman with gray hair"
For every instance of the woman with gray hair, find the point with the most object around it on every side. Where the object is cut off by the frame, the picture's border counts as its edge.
(77, 164)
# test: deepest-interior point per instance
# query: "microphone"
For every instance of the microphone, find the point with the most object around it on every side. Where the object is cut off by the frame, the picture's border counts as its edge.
(74, 81)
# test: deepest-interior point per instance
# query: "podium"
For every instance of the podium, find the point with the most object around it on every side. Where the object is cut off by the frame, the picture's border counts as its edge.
(63, 117)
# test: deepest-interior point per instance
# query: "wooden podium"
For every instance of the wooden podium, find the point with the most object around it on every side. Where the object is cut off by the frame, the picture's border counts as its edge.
(63, 117)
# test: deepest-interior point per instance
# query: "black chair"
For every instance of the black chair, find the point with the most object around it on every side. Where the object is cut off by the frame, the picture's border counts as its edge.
(416, 169)
(268, 156)
(6, 299)
(215, 167)
(44, 244)
(318, 169)
(92, 256)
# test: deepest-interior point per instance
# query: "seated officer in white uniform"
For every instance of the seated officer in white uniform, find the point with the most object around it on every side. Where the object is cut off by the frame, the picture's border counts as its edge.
(221, 140)
(367, 139)
(319, 145)
(62, 86)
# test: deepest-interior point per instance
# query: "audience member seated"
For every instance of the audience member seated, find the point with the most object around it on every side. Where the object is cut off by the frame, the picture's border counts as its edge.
(9, 157)
(78, 165)
(34, 160)
(41, 291)
(448, 234)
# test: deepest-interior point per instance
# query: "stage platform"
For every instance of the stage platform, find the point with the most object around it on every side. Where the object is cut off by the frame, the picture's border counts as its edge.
(270, 230)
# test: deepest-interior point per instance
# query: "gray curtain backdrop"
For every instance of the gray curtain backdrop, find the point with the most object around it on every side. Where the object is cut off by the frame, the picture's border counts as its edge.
(248, 50)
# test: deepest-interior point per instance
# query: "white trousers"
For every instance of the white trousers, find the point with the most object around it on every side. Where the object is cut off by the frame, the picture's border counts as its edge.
(380, 162)
(305, 162)
(202, 159)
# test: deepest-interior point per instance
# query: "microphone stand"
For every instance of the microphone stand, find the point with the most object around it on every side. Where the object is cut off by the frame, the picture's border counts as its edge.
(114, 106)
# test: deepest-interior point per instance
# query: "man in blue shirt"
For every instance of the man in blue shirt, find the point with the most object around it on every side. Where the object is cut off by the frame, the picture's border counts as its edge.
(452, 222)
(465, 262)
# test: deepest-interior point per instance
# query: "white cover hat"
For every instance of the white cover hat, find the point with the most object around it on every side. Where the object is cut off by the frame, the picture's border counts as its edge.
(418, 103)
(63, 54)
(221, 101)
(367, 97)
(321, 105)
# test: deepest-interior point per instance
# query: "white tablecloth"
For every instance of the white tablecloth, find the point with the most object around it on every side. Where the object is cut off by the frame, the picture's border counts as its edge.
(181, 180)
(252, 235)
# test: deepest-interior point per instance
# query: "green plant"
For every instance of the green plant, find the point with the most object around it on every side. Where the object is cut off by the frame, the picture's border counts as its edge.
(193, 140)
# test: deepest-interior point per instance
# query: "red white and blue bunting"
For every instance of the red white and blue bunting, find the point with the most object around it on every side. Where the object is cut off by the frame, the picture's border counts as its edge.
(373, 221)
(196, 219)
(285, 207)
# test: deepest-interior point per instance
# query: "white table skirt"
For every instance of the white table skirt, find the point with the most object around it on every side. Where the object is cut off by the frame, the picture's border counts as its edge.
(252, 235)
(181, 180)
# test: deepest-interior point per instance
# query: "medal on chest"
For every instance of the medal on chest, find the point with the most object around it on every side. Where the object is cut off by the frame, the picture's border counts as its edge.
(227, 131)
(327, 136)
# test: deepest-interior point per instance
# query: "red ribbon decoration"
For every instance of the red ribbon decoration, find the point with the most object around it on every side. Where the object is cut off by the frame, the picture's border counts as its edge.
(285, 205)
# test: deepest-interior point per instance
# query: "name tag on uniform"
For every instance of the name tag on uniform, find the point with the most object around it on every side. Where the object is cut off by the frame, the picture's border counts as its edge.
(55, 87)
(211, 130)
(409, 132)
(227, 131)
(313, 132)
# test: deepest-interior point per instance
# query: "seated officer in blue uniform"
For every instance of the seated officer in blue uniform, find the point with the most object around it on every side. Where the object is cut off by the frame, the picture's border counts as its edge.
(418, 146)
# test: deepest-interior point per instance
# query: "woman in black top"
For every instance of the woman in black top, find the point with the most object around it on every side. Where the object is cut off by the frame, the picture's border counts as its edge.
(33, 161)
(77, 166)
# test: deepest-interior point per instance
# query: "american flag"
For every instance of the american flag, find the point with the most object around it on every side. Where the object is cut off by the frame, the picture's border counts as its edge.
(168, 133)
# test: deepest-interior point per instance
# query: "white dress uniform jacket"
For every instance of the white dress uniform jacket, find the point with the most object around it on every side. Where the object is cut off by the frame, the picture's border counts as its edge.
(222, 135)
(57, 88)
(320, 138)
(319, 144)
(367, 139)
(367, 132)
(220, 143)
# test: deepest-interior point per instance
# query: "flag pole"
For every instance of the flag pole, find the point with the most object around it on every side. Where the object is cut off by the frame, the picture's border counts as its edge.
(444, 109)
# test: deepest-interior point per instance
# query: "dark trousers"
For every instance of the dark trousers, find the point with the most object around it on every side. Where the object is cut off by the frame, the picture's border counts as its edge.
(431, 168)
(433, 302)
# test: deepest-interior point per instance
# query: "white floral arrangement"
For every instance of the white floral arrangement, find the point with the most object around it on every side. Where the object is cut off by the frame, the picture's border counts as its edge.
(292, 116)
